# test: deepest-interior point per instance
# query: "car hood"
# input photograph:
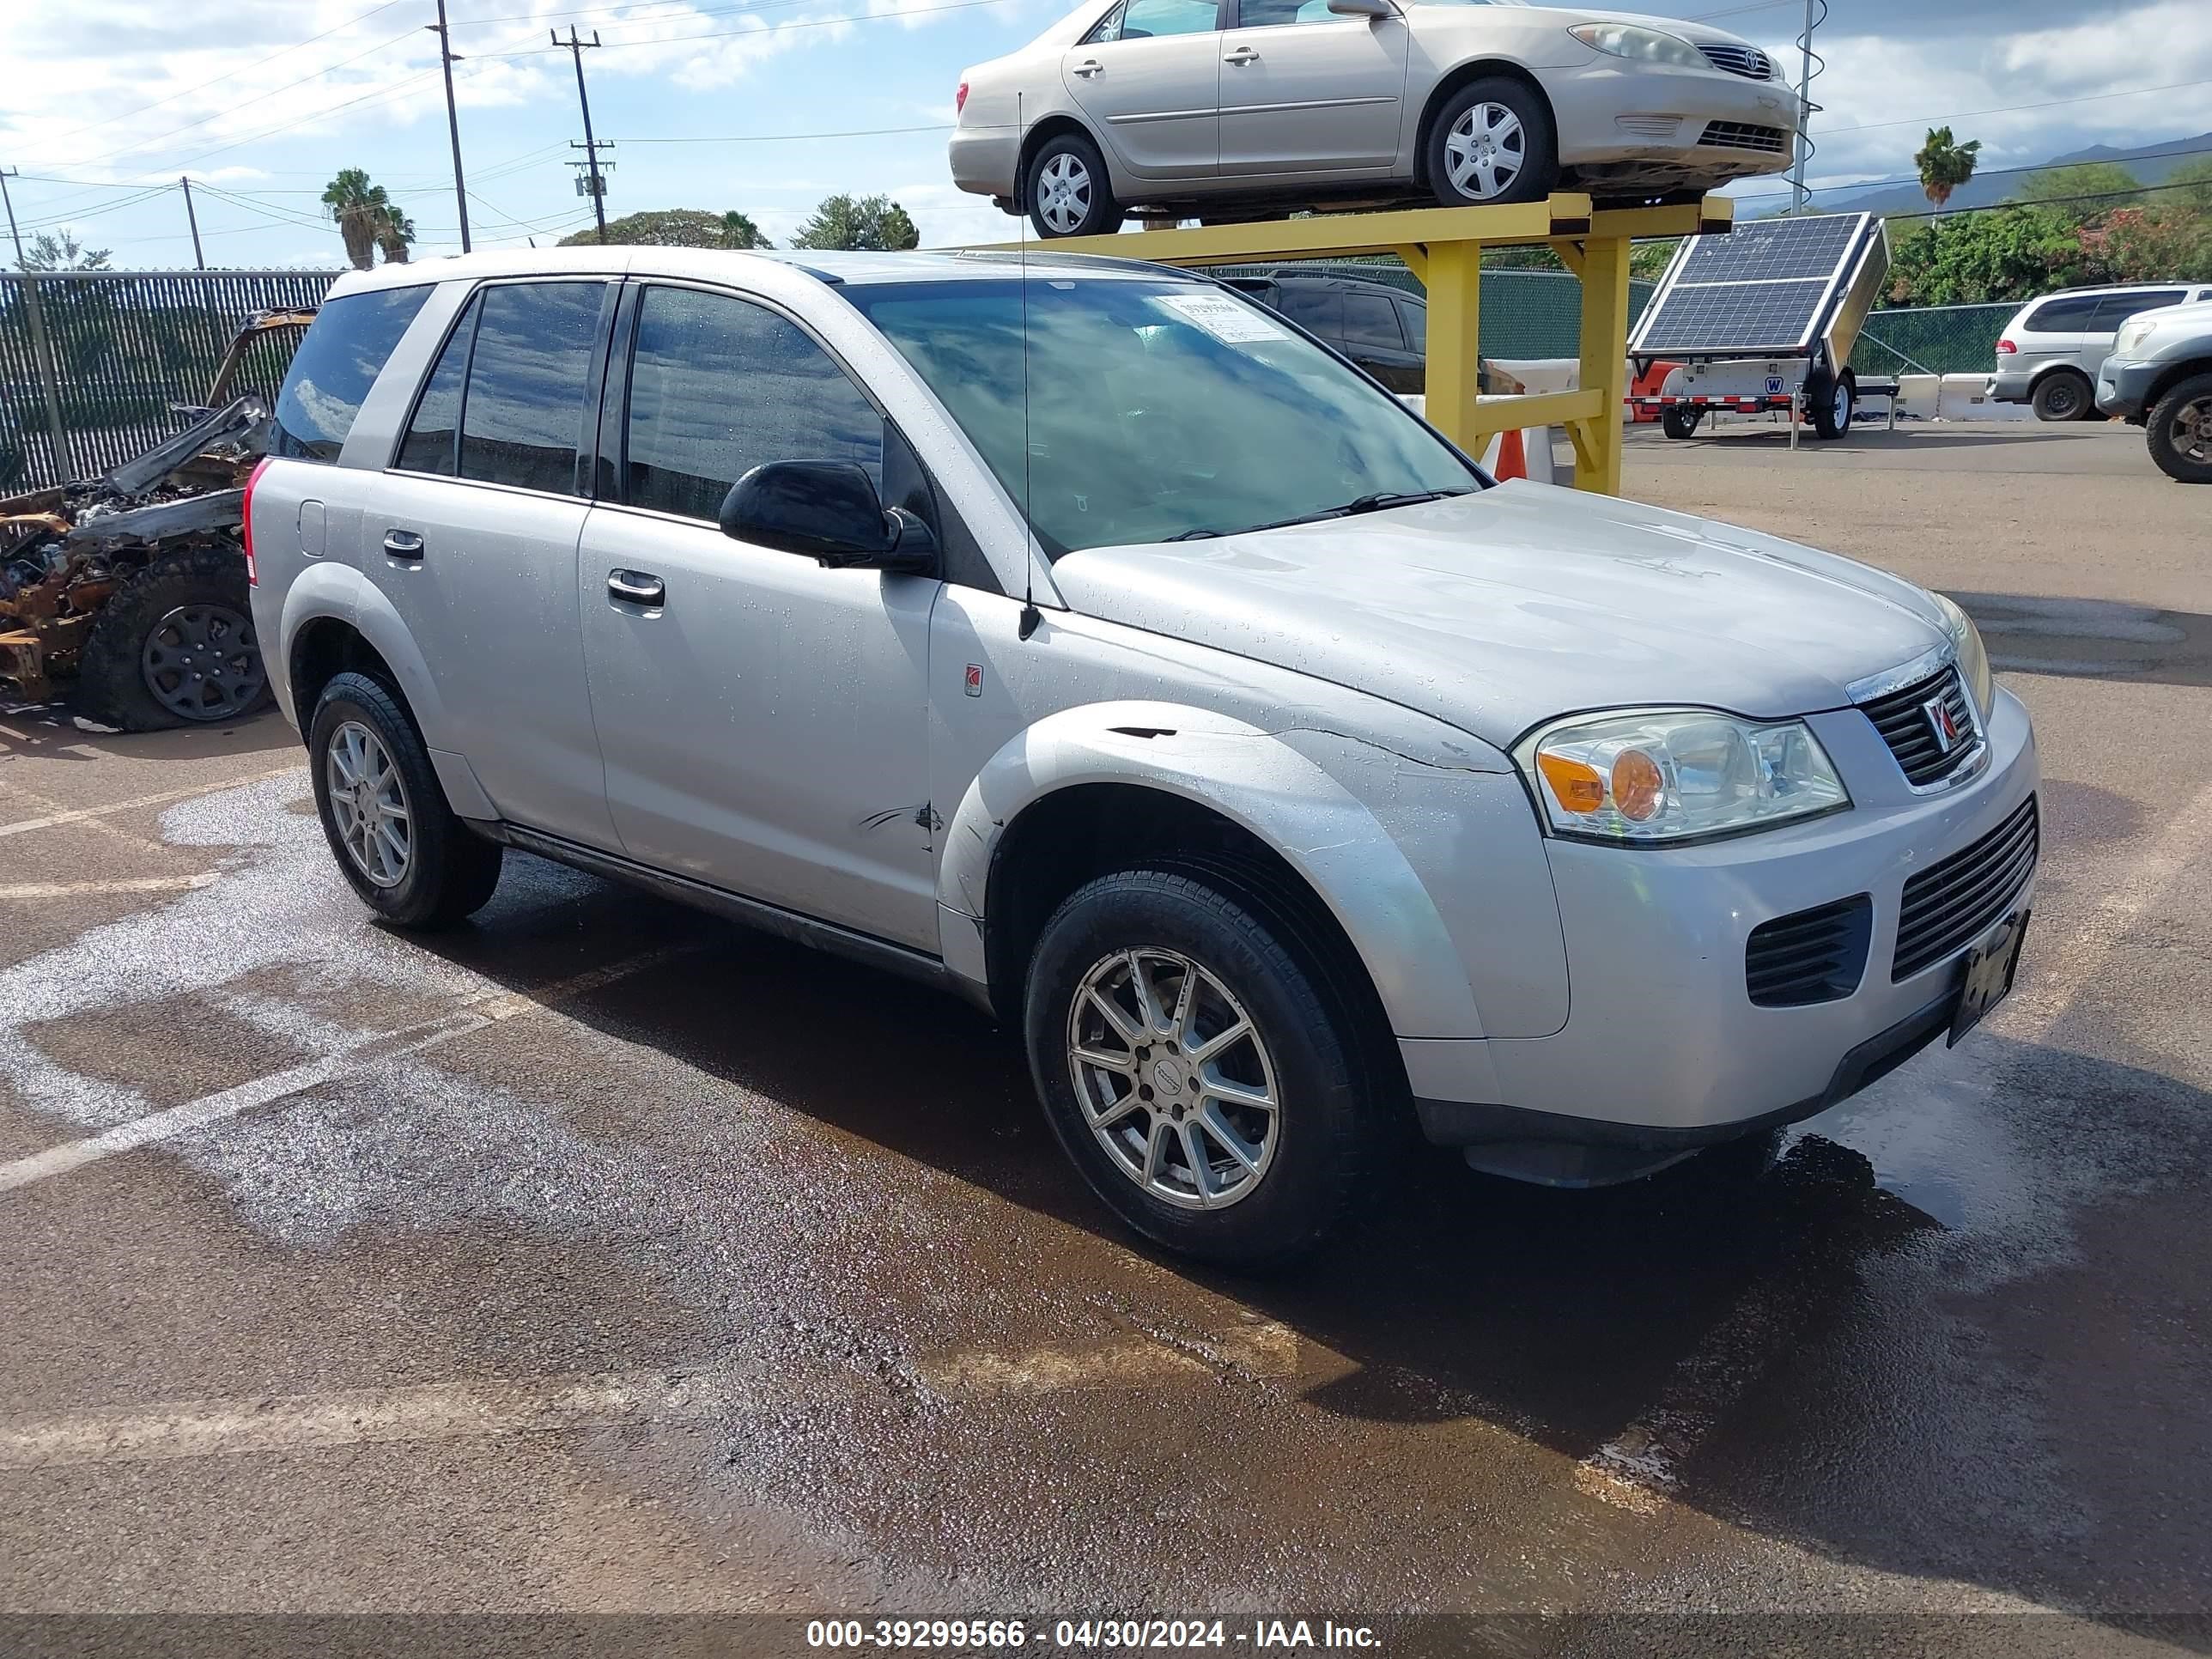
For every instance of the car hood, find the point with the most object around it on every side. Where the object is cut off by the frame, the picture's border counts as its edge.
(1497, 611)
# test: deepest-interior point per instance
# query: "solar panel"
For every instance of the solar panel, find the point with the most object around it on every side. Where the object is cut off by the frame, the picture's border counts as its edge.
(1764, 287)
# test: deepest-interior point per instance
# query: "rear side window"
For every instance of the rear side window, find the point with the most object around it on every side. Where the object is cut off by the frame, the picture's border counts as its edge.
(1369, 320)
(1316, 310)
(2116, 308)
(1143, 19)
(717, 386)
(344, 350)
(529, 393)
(433, 436)
(2061, 316)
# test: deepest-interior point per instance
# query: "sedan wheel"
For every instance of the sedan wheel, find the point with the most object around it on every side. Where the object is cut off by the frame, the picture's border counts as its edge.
(1063, 190)
(1485, 151)
(1174, 1078)
(369, 802)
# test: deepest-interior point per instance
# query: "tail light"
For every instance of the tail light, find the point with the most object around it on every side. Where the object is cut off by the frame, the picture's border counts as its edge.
(245, 528)
(2006, 348)
(960, 98)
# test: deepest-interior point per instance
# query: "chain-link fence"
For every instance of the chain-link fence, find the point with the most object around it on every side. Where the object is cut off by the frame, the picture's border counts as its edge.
(1525, 313)
(1931, 340)
(90, 363)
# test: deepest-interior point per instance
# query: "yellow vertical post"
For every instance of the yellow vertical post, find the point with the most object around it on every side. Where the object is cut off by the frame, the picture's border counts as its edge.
(1454, 285)
(1604, 361)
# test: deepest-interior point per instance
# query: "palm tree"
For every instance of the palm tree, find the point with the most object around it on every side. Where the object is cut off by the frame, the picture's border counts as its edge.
(1945, 164)
(360, 209)
(739, 231)
(395, 232)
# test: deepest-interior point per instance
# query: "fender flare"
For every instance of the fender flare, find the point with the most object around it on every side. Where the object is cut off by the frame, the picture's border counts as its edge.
(1254, 780)
(330, 591)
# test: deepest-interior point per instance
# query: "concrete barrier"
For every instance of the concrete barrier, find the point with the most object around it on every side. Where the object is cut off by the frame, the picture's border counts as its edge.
(1956, 398)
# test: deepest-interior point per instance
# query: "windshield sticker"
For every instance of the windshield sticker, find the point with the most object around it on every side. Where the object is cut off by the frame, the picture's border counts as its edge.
(1226, 319)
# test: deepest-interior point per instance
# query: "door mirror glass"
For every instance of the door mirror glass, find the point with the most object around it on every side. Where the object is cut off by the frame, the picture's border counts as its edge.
(826, 511)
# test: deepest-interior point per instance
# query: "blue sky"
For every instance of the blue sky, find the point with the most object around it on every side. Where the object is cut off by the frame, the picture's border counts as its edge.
(108, 103)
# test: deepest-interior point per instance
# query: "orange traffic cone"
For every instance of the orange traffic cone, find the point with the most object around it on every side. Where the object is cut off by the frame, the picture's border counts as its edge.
(1513, 455)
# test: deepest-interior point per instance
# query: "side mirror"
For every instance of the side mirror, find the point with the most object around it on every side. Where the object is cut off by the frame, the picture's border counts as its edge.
(1363, 8)
(829, 511)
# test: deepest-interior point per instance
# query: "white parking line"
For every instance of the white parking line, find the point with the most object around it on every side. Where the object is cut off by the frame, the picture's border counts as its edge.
(46, 890)
(82, 814)
(1263, 1348)
(487, 1007)
(1637, 1468)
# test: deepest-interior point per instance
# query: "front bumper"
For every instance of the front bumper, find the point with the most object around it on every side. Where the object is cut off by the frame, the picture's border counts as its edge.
(1663, 1048)
(1633, 121)
(2124, 389)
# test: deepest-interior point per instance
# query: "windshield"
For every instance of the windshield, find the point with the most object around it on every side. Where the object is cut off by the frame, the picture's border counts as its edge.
(1156, 409)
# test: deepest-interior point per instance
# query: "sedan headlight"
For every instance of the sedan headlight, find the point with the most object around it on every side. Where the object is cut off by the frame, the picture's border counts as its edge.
(1973, 659)
(1643, 46)
(1661, 774)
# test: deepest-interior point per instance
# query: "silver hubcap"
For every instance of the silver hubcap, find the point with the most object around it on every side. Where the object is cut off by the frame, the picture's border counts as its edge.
(201, 662)
(1173, 1078)
(370, 804)
(2192, 431)
(1484, 152)
(1063, 192)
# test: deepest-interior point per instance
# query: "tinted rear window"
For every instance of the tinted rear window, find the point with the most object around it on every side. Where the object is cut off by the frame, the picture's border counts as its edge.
(344, 350)
(2061, 316)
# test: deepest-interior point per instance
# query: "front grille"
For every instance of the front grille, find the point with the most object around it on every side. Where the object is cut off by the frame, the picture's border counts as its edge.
(1814, 956)
(1948, 905)
(1909, 729)
(1741, 134)
(1747, 61)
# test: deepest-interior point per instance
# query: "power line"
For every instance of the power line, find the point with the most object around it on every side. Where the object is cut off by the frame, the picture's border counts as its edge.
(2018, 109)
(794, 137)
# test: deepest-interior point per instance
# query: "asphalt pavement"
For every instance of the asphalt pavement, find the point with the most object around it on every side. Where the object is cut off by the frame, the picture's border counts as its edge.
(598, 1257)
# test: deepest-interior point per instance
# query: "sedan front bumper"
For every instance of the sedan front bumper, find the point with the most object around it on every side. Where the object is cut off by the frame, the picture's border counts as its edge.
(1617, 120)
(1663, 1049)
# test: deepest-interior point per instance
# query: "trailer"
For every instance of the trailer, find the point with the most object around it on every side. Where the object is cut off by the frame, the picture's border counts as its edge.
(1764, 319)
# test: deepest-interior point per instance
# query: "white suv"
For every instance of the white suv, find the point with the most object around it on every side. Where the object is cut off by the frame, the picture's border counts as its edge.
(2051, 351)
(1198, 710)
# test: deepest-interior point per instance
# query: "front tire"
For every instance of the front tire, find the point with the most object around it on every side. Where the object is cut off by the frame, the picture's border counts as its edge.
(2180, 431)
(1492, 144)
(384, 814)
(1067, 192)
(175, 646)
(1679, 422)
(1202, 1068)
(1834, 399)
(2064, 396)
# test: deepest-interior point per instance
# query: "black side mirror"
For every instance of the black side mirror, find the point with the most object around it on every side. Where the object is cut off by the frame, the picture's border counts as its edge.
(1367, 9)
(829, 511)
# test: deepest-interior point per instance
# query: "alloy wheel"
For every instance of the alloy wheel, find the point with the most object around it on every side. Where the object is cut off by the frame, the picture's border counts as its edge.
(1063, 192)
(2192, 431)
(369, 802)
(1173, 1078)
(201, 664)
(1485, 151)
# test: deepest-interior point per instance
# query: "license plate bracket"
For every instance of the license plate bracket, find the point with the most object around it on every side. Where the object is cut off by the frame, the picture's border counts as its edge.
(1991, 968)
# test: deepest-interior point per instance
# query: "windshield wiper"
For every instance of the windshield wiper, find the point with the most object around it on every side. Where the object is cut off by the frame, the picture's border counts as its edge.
(1377, 502)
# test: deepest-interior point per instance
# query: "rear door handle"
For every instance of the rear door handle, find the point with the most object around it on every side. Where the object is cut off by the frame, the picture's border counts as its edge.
(636, 587)
(403, 544)
(1242, 55)
(1088, 67)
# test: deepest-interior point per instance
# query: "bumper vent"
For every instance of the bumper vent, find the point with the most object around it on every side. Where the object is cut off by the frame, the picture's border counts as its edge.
(1741, 134)
(1814, 956)
(1948, 905)
(1749, 62)
(1928, 749)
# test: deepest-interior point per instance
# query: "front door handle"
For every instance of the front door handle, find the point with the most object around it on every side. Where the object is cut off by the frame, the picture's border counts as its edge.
(403, 544)
(1089, 67)
(636, 587)
(1242, 55)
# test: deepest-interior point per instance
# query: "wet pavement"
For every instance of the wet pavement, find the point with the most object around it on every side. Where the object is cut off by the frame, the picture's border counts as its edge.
(599, 1257)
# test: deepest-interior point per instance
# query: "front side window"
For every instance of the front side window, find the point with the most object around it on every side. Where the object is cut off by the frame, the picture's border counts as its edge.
(1156, 409)
(529, 393)
(343, 352)
(1371, 319)
(1143, 19)
(719, 384)
(2117, 308)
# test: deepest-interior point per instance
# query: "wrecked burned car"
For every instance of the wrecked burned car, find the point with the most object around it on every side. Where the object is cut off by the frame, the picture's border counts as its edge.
(133, 585)
(1089, 641)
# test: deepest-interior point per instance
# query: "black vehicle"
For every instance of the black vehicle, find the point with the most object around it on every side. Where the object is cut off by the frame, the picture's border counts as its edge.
(1381, 328)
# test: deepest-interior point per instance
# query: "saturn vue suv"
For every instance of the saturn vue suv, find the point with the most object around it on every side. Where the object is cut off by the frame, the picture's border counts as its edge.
(1244, 108)
(1087, 640)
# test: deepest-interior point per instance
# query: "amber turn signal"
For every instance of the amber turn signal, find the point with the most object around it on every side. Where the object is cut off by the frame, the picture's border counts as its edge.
(1577, 787)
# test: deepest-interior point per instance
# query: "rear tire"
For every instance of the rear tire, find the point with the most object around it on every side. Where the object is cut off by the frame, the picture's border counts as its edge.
(1130, 1126)
(1490, 125)
(2180, 431)
(385, 813)
(1066, 191)
(1680, 423)
(175, 646)
(1834, 399)
(2064, 396)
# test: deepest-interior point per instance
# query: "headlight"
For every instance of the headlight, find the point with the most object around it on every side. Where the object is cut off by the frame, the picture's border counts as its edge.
(1644, 45)
(2131, 337)
(1973, 659)
(1661, 774)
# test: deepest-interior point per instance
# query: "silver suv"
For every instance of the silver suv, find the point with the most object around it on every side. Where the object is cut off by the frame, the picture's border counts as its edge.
(2051, 351)
(1086, 639)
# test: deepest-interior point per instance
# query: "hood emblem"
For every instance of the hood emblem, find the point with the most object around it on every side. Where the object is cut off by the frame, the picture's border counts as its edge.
(1949, 734)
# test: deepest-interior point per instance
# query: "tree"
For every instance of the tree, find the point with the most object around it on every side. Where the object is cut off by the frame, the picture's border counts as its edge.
(360, 209)
(1945, 164)
(1976, 259)
(395, 234)
(2084, 191)
(676, 228)
(48, 252)
(2189, 186)
(873, 223)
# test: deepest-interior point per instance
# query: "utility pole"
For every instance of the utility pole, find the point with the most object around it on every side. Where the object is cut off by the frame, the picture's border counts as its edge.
(576, 48)
(34, 312)
(192, 219)
(447, 59)
(1799, 198)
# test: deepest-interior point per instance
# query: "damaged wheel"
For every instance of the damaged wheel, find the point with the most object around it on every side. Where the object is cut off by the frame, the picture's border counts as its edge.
(175, 646)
